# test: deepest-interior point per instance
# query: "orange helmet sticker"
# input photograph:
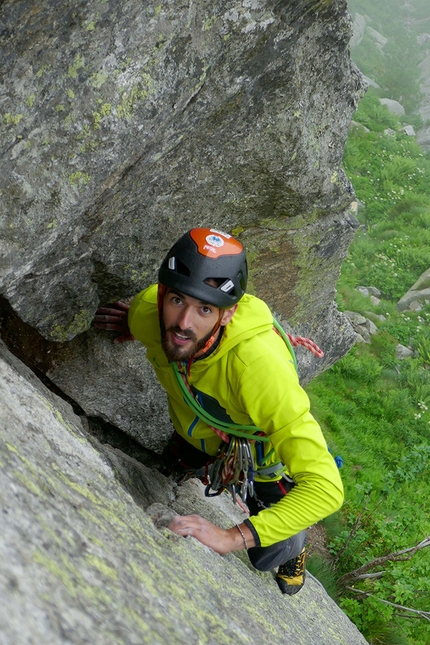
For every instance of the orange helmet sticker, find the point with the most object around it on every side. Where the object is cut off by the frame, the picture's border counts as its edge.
(213, 243)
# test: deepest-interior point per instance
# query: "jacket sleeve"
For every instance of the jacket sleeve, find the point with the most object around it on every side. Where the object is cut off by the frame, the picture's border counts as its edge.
(280, 406)
(143, 316)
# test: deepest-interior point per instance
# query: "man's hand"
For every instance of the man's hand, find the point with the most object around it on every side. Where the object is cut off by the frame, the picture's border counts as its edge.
(220, 540)
(114, 318)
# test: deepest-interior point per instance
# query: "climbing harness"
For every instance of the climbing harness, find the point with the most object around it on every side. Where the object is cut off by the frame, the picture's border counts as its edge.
(234, 468)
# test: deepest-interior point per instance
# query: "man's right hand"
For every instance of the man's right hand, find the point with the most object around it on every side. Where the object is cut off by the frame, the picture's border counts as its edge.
(114, 318)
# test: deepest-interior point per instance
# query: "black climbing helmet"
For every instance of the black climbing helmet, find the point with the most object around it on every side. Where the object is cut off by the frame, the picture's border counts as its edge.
(203, 254)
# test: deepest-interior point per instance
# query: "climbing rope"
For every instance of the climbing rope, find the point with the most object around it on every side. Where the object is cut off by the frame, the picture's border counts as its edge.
(222, 435)
(306, 342)
(234, 467)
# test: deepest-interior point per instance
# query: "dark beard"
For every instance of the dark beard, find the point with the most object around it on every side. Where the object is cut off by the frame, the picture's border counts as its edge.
(174, 353)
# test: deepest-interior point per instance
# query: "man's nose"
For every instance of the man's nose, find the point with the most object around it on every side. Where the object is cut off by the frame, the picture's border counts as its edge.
(185, 318)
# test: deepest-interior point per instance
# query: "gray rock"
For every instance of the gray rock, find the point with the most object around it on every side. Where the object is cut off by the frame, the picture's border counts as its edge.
(358, 29)
(359, 339)
(423, 39)
(372, 291)
(363, 290)
(409, 130)
(363, 332)
(371, 82)
(82, 561)
(375, 317)
(359, 126)
(415, 305)
(393, 106)
(117, 384)
(123, 126)
(371, 327)
(161, 515)
(423, 138)
(417, 295)
(380, 40)
(355, 318)
(363, 327)
(403, 352)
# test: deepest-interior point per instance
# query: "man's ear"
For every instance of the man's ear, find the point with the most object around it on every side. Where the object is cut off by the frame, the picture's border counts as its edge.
(227, 316)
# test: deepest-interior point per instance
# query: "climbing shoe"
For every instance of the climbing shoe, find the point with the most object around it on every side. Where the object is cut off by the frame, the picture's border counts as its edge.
(291, 575)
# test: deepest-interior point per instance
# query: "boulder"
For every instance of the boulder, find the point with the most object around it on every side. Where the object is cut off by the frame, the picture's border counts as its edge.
(375, 317)
(363, 327)
(418, 295)
(371, 327)
(363, 334)
(355, 318)
(423, 39)
(423, 138)
(371, 82)
(359, 126)
(358, 29)
(393, 106)
(360, 339)
(124, 125)
(379, 39)
(86, 557)
(403, 352)
(369, 291)
(416, 305)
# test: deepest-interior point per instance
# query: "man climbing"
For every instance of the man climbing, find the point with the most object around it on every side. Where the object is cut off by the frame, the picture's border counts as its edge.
(239, 413)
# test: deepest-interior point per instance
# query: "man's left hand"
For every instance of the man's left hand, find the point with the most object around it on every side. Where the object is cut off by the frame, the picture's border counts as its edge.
(114, 318)
(220, 540)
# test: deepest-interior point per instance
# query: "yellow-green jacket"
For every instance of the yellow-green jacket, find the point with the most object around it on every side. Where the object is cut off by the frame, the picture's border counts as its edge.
(252, 376)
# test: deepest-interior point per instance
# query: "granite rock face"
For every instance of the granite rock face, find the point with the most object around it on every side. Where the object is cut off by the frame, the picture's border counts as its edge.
(84, 562)
(125, 124)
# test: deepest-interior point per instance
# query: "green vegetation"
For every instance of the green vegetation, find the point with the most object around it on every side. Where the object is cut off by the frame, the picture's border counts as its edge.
(372, 406)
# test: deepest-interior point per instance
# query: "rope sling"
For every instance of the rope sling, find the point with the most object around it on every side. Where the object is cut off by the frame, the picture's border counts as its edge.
(234, 466)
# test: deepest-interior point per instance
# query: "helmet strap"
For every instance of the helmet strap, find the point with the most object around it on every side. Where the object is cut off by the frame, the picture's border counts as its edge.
(214, 335)
(160, 297)
(209, 343)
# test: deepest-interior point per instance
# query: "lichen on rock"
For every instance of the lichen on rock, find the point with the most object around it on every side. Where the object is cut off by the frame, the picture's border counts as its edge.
(83, 560)
(124, 125)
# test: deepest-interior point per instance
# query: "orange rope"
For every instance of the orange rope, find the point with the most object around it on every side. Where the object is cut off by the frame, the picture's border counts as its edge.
(306, 342)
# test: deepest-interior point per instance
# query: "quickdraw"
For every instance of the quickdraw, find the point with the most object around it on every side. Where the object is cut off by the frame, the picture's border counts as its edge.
(233, 470)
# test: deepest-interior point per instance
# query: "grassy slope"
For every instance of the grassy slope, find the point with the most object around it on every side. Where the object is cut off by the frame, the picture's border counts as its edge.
(374, 408)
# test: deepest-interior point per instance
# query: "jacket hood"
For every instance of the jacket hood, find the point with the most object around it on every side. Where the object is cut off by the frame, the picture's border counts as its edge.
(251, 317)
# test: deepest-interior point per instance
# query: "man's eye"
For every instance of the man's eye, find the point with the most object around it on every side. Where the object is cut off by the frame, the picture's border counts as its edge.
(206, 310)
(176, 300)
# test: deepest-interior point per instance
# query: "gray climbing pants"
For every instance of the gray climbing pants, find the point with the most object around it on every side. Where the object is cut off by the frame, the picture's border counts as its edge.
(270, 557)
